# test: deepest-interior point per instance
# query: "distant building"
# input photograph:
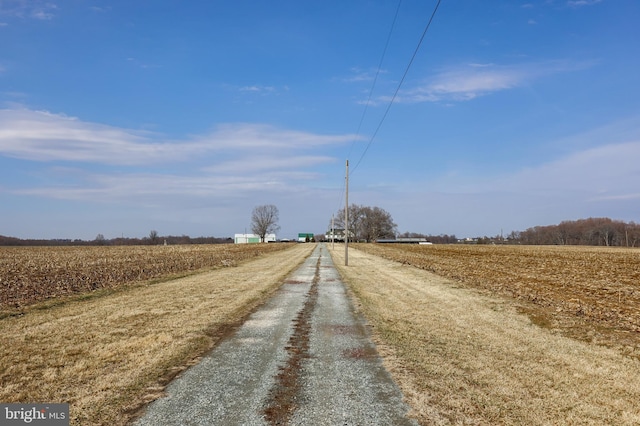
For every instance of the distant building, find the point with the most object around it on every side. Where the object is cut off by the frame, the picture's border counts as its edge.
(305, 237)
(404, 241)
(337, 235)
(253, 238)
(468, 240)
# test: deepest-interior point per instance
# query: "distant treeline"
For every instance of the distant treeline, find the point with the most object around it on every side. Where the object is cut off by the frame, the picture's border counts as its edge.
(591, 232)
(101, 241)
(588, 232)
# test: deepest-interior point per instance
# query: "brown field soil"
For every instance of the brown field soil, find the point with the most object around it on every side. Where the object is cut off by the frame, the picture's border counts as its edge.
(108, 354)
(34, 274)
(465, 354)
(589, 293)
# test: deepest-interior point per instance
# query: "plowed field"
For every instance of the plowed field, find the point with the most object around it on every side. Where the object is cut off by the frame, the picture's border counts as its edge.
(33, 274)
(590, 293)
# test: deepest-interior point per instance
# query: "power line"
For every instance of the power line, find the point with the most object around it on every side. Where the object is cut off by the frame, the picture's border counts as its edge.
(375, 79)
(373, 85)
(395, 94)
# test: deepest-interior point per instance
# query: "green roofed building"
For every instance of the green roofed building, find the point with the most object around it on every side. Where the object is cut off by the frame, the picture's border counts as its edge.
(303, 238)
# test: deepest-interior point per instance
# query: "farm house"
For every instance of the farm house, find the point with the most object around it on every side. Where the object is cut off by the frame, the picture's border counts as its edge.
(336, 234)
(253, 238)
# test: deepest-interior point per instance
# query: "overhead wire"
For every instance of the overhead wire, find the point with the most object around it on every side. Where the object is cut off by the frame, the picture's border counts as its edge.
(375, 79)
(373, 85)
(395, 94)
(393, 98)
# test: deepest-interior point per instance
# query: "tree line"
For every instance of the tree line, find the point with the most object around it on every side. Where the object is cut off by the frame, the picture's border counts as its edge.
(100, 240)
(588, 232)
(591, 231)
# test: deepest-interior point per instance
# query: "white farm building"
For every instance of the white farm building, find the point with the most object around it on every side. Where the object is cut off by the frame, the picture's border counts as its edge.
(253, 238)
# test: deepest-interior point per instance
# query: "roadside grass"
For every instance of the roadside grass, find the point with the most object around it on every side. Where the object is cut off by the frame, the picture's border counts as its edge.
(587, 293)
(110, 353)
(463, 356)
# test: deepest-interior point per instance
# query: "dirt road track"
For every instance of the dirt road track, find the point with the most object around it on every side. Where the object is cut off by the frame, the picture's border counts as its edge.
(303, 358)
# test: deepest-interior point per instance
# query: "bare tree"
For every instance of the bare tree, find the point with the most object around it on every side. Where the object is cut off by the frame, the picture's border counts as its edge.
(153, 236)
(367, 223)
(264, 220)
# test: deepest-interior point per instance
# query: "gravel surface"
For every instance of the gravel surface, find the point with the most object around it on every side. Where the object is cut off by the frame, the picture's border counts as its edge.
(304, 358)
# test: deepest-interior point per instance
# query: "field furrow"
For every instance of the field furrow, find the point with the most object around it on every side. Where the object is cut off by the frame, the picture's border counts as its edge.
(34, 274)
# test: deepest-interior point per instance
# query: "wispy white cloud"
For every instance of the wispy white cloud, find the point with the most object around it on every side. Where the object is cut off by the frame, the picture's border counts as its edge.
(165, 189)
(606, 171)
(42, 14)
(147, 187)
(269, 163)
(259, 89)
(360, 75)
(580, 3)
(43, 136)
(34, 9)
(234, 160)
(99, 9)
(266, 137)
(610, 170)
(141, 64)
(466, 82)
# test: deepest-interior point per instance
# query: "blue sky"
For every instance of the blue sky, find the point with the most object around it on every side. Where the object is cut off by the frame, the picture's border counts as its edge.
(121, 117)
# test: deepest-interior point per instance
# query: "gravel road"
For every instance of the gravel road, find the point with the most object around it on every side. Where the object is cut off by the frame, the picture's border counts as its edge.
(303, 358)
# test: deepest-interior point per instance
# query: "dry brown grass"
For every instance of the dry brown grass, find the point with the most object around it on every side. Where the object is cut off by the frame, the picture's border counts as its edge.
(464, 356)
(589, 293)
(107, 354)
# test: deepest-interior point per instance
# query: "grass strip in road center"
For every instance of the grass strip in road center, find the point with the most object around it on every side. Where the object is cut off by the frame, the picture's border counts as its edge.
(282, 403)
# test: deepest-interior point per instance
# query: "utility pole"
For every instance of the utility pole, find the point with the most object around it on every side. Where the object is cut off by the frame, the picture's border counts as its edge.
(626, 235)
(333, 235)
(346, 219)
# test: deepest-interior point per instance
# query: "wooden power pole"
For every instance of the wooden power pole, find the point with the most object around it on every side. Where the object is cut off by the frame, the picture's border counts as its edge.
(346, 219)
